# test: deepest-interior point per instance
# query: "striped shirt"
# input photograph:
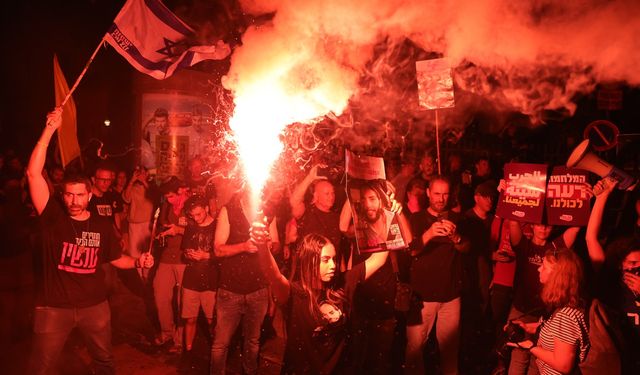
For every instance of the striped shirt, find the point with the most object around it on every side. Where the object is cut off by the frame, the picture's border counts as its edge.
(567, 324)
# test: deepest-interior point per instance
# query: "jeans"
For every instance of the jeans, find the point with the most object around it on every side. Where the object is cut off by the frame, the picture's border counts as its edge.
(522, 362)
(447, 333)
(168, 276)
(52, 326)
(231, 309)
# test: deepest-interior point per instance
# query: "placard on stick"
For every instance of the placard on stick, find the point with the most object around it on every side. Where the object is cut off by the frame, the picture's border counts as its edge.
(435, 83)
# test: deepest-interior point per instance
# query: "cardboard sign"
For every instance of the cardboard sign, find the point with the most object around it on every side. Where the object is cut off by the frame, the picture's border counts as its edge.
(567, 197)
(364, 167)
(435, 83)
(523, 197)
(376, 227)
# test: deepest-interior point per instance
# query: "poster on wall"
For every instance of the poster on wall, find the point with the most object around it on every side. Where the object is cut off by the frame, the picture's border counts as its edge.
(175, 128)
(171, 155)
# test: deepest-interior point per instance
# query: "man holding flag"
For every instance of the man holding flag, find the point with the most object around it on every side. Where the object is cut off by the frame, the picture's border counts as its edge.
(71, 292)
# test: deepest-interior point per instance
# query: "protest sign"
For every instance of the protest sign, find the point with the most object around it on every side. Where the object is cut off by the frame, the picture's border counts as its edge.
(567, 197)
(435, 83)
(523, 197)
(376, 227)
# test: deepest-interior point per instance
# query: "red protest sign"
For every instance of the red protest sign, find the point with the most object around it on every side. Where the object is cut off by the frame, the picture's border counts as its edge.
(523, 197)
(567, 197)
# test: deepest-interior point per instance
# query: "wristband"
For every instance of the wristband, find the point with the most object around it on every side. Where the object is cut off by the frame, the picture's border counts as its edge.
(42, 144)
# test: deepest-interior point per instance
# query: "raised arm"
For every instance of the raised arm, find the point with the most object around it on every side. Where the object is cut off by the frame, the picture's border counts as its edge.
(515, 233)
(127, 194)
(297, 196)
(38, 187)
(279, 284)
(374, 262)
(602, 190)
(345, 219)
(569, 236)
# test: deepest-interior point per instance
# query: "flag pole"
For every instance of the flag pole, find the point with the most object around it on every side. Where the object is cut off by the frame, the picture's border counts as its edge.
(438, 141)
(95, 52)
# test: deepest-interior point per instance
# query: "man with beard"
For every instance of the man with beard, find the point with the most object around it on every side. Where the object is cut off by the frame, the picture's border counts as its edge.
(375, 220)
(71, 291)
(374, 317)
(436, 279)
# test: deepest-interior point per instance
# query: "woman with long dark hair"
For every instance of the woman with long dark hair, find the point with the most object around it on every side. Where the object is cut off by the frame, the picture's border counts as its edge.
(563, 339)
(318, 303)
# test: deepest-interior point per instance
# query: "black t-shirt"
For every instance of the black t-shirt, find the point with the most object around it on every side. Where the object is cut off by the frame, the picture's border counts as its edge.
(324, 223)
(527, 280)
(374, 298)
(436, 272)
(315, 346)
(108, 204)
(200, 275)
(239, 273)
(479, 232)
(72, 253)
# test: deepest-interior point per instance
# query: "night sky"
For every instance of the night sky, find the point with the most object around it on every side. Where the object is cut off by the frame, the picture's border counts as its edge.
(36, 29)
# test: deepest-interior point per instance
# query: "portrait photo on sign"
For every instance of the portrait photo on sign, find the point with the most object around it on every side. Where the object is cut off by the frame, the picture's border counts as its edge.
(376, 227)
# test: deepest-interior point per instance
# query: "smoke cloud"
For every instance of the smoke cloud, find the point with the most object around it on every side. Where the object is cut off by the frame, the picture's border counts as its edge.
(353, 61)
(530, 55)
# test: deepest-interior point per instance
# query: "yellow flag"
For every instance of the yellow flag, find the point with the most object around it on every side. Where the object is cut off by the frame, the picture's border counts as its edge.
(67, 138)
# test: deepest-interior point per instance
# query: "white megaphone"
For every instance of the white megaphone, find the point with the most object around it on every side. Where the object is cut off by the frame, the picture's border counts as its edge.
(583, 159)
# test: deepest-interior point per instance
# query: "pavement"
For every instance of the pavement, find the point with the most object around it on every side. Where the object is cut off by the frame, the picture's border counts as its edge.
(133, 326)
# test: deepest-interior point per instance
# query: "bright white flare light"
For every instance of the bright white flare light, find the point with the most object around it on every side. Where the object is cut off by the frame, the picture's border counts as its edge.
(262, 110)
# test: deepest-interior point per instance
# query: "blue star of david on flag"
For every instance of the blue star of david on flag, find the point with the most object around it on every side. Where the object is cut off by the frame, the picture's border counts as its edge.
(154, 40)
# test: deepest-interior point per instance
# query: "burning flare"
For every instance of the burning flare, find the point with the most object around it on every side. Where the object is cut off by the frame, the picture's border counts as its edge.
(277, 89)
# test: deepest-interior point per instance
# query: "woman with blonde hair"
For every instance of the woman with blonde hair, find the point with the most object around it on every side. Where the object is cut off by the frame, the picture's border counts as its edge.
(563, 339)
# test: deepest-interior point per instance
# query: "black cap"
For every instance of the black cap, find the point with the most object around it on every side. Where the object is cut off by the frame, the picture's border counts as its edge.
(487, 189)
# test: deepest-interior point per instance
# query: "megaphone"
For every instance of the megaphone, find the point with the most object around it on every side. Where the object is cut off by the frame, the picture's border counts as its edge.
(583, 159)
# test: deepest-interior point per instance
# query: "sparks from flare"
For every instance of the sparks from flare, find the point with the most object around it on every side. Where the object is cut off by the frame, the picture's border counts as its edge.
(262, 112)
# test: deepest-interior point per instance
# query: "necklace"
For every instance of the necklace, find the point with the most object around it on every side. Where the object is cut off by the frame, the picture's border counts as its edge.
(81, 248)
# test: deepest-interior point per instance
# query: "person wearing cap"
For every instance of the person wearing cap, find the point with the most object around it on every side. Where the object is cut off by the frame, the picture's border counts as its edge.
(527, 305)
(477, 266)
(479, 219)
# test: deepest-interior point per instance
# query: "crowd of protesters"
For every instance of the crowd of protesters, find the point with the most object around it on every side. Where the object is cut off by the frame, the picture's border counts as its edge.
(472, 293)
